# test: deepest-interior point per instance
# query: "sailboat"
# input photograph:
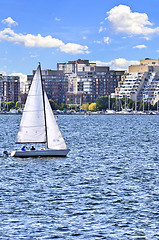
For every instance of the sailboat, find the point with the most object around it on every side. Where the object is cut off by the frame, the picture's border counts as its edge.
(38, 124)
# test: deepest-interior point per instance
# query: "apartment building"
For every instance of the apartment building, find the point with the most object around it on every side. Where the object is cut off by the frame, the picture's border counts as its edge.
(89, 81)
(78, 81)
(141, 82)
(9, 88)
(55, 84)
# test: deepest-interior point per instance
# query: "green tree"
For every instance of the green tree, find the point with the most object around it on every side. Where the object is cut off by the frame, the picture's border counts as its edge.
(102, 103)
(63, 106)
(53, 104)
(18, 105)
(9, 105)
(2, 105)
(156, 106)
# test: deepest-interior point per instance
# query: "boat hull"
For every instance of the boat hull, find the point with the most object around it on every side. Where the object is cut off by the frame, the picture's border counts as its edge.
(40, 153)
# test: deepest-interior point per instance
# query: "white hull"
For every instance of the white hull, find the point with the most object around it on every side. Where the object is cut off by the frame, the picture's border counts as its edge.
(40, 153)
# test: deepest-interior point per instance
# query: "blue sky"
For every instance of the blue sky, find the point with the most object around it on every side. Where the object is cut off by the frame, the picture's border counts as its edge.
(111, 32)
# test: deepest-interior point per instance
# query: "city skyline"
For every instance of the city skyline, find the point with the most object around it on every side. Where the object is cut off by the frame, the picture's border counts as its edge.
(112, 33)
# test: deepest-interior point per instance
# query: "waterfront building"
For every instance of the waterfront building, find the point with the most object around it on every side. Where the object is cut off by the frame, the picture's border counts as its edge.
(76, 66)
(87, 81)
(78, 81)
(9, 88)
(141, 82)
(55, 84)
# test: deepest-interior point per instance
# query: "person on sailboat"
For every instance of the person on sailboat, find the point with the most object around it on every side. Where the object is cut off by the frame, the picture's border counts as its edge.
(32, 148)
(23, 148)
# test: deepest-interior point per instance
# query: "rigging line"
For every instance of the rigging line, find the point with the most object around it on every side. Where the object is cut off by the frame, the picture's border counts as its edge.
(43, 105)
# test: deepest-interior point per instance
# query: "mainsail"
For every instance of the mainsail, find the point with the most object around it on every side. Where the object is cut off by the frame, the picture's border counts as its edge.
(32, 126)
(38, 123)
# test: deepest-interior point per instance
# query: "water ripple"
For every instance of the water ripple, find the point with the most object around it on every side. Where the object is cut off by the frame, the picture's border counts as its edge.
(107, 187)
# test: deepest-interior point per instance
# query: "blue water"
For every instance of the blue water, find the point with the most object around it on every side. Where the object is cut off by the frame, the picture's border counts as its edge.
(107, 187)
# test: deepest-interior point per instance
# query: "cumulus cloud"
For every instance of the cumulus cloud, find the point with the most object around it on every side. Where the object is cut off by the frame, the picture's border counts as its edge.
(39, 41)
(140, 46)
(124, 20)
(119, 63)
(9, 21)
(29, 40)
(74, 48)
(107, 40)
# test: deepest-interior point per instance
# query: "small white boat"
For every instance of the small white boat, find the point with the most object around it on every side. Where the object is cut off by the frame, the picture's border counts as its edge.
(38, 124)
(109, 111)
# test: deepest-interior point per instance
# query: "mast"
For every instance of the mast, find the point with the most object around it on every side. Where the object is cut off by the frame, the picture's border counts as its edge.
(44, 106)
(109, 103)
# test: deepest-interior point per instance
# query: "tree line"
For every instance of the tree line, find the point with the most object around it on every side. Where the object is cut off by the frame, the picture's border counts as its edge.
(100, 104)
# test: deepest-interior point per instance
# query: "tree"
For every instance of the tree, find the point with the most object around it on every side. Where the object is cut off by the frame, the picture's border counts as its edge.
(102, 103)
(92, 107)
(10, 105)
(53, 104)
(18, 105)
(156, 106)
(2, 105)
(63, 106)
(85, 106)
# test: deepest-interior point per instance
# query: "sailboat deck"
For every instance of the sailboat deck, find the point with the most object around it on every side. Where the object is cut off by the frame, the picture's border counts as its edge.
(40, 153)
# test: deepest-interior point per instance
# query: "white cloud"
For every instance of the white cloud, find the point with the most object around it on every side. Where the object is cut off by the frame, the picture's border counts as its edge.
(22, 76)
(9, 21)
(119, 63)
(107, 40)
(57, 19)
(146, 38)
(124, 20)
(100, 29)
(33, 56)
(74, 48)
(30, 40)
(2, 71)
(99, 42)
(140, 46)
(84, 37)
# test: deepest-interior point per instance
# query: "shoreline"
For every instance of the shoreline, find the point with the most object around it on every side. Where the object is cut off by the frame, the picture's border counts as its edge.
(92, 113)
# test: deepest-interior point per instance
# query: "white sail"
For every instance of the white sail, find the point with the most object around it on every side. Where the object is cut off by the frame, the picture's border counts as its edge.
(32, 126)
(54, 136)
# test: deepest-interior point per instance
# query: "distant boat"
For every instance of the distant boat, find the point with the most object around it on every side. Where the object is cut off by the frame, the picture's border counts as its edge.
(109, 111)
(38, 124)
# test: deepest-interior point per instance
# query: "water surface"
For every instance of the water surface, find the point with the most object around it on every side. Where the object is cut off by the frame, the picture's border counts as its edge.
(107, 187)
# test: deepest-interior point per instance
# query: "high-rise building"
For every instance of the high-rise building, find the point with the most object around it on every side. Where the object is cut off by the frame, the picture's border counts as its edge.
(90, 81)
(78, 81)
(55, 84)
(9, 88)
